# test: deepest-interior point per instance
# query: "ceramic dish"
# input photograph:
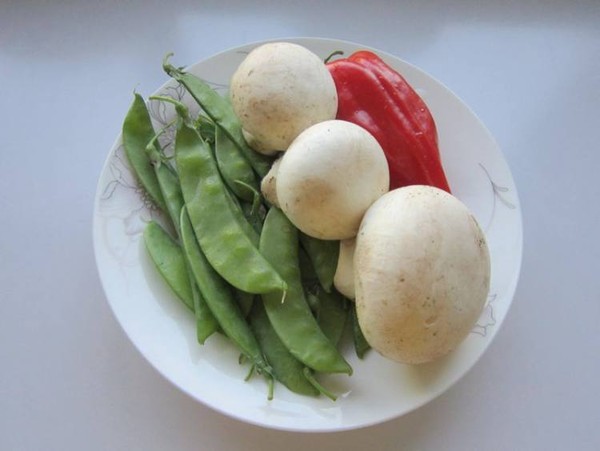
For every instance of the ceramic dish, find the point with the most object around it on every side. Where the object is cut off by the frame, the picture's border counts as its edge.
(379, 390)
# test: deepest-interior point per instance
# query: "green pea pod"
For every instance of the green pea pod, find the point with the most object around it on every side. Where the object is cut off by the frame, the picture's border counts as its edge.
(331, 309)
(332, 314)
(206, 323)
(220, 299)
(220, 111)
(235, 169)
(222, 239)
(361, 346)
(313, 301)
(171, 191)
(169, 259)
(289, 312)
(137, 133)
(206, 128)
(254, 212)
(242, 220)
(245, 301)
(168, 182)
(310, 281)
(324, 257)
(286, 368)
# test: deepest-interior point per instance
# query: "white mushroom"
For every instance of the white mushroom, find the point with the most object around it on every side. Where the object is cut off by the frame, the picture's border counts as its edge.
(268, 184)
(256, 144)
(329, 176)
(279, 90)
(422, 274)
(343, 280)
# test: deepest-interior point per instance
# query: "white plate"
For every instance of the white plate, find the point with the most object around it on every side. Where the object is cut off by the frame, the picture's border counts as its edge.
(379, 390)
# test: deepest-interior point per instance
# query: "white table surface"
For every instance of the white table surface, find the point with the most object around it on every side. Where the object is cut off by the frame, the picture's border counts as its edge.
(69, 377)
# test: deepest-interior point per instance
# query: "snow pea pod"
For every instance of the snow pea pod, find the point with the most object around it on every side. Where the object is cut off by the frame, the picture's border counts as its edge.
(332, 314)
(168, 257)
(254, 211)
(222, 239)
(286, 368)
(242, 220)
(235, 169)
(176, 201)
(166, 177)
(330, 308)
(171, 192)
(220, 299)
(361, 346)
(245, 301)
(168, 182)
(310, 281)
(206, 128)
(288, 311)
(206, 323)
(220, 111)
(324, 256)
(136, 134)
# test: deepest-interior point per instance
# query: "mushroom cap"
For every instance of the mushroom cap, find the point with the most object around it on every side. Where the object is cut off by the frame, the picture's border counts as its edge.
(279, 90)
(329, 176)
(422, 274)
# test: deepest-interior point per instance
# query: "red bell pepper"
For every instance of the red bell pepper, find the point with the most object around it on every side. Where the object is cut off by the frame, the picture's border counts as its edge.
(376, 97)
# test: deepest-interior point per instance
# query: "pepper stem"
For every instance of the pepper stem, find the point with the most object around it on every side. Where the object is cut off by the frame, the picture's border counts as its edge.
(336, 53)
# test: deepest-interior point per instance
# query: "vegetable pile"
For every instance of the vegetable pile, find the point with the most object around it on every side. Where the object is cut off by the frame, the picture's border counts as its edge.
(279, 229)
